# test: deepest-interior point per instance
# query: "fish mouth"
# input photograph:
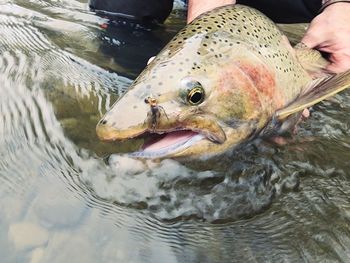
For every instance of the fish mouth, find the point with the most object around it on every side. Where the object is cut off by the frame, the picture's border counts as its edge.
(171, 138)
(169, 143)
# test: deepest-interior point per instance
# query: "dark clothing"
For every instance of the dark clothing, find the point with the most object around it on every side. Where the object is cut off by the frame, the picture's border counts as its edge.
(144, 10)
(286, 11)
(281, 11)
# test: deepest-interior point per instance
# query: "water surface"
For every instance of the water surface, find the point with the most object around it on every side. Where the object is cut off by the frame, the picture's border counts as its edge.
(66, 197)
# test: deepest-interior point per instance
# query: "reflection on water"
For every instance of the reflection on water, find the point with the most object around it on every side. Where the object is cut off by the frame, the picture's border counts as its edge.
(66, 198)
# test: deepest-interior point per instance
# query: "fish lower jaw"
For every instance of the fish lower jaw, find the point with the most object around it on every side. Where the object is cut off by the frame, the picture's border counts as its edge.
(168, 144)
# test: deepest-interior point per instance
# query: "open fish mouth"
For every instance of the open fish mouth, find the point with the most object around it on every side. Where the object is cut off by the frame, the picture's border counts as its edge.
(162, 145)
(164, 142)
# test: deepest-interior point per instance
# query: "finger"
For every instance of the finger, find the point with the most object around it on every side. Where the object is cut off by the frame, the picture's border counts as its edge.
(313, 36)
(305, 114)
(312, 40)
(339, 63)
(336, 68)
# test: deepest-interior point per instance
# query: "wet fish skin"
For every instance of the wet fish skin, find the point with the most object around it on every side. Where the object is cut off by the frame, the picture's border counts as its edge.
(245, 66)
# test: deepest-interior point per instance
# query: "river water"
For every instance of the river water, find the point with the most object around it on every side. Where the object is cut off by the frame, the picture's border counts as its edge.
(66, 197)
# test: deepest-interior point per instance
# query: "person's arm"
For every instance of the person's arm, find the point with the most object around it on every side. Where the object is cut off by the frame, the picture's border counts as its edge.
(197, 7)
(330, 32)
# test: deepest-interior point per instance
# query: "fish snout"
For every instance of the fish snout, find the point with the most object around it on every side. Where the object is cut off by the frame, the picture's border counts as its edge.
(108, 131)
(123, 121)
(105, 131)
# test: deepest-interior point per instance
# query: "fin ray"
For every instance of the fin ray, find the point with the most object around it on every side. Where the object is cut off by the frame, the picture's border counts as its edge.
(323, 89)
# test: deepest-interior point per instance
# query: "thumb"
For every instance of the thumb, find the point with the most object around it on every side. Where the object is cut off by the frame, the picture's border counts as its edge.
(313, 37)
(311, 40)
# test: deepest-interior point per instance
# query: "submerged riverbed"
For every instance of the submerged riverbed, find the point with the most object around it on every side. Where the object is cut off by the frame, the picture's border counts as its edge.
(67, 197)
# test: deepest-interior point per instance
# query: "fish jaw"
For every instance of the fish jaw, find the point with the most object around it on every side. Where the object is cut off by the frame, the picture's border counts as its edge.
(196, 145)
(174, 131)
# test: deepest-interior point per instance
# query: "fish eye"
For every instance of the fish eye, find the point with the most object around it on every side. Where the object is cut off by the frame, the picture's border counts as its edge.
(191, 91)
(196, 95)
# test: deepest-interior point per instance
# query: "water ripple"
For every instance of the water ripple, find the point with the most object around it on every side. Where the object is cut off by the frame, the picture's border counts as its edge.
(260, 203)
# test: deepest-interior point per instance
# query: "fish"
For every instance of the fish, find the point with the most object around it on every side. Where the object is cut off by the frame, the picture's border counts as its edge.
(227, 77)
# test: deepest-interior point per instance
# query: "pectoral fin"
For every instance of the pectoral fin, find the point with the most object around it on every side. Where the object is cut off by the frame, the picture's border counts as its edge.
(320, 90)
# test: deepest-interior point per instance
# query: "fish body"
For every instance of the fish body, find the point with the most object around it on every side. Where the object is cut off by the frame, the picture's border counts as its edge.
(218, 82)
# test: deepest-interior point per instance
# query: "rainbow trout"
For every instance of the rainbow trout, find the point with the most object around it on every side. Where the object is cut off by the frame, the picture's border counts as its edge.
(228, 76)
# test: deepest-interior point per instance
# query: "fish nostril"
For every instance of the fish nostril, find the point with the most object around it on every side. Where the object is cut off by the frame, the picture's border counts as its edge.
(103, 121)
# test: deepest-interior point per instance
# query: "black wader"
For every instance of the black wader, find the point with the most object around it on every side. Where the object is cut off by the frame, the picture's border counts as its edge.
(281, 11)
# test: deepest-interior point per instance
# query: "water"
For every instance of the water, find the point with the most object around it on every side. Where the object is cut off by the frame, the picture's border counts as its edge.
(65, 198)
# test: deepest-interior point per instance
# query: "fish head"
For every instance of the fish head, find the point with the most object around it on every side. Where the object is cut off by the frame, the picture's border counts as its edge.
(194, 94)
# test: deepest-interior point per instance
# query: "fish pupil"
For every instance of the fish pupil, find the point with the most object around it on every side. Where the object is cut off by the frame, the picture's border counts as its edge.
(195, 96)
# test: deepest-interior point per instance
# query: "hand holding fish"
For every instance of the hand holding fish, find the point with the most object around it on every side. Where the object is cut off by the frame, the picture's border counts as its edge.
(330, 32)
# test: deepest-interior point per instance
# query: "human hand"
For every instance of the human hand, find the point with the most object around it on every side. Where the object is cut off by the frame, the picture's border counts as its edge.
(198, 7)
(330, 32)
